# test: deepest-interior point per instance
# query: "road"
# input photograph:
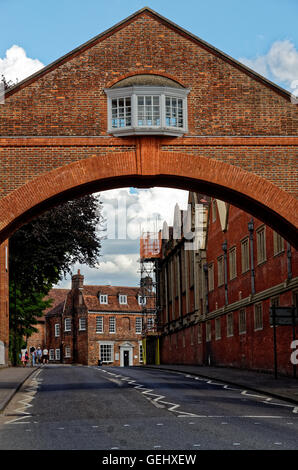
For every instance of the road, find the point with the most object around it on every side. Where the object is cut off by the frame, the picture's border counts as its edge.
(84, 408)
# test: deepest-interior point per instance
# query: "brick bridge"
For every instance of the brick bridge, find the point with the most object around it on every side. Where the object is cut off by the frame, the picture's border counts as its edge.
(240, 141)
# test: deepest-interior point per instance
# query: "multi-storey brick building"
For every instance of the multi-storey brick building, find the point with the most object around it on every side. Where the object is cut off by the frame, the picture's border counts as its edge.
(217, 297)
(97, 323)
(146, 103)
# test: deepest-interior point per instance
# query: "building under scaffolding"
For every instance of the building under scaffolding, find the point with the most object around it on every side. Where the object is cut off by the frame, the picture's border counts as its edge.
(150, 254)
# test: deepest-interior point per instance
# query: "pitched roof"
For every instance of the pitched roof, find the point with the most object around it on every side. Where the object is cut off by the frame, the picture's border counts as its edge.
(168, 23)
(58, 297)
(91, 299)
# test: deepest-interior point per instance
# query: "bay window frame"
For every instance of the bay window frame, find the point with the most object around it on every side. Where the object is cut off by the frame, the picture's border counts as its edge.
(134, 92)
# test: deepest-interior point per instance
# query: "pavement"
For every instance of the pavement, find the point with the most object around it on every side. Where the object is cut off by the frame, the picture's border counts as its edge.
(284, 388)
(11, 379)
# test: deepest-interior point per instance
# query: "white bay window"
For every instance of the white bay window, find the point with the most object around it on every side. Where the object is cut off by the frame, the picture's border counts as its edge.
(159, 110)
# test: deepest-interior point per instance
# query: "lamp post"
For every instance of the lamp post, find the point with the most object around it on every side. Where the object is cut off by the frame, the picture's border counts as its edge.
(225, 250)
(205, 268)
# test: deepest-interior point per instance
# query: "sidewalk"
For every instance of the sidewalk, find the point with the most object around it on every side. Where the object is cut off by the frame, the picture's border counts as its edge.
(11, 379)
(284, 388)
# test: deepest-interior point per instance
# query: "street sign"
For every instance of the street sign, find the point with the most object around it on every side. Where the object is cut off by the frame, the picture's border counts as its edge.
(284, 316)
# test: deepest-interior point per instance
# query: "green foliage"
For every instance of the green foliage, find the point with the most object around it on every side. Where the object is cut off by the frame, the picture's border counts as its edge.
(25, 308)
(43, 251)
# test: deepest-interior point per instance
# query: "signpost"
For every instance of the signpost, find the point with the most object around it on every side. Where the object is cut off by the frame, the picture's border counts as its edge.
(282, 316)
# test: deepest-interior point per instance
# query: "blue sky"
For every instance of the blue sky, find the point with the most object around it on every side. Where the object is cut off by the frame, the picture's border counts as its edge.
(263, 34)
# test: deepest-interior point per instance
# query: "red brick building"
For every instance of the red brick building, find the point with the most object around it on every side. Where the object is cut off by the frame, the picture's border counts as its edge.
(217, 297)
(146, 103)
(93, 323)
(39, 338)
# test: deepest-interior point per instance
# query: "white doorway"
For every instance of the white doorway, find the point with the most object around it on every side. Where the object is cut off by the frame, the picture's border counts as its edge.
(126, 354)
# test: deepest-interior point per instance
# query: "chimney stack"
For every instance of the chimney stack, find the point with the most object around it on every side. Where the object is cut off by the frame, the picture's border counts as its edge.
(77, 281)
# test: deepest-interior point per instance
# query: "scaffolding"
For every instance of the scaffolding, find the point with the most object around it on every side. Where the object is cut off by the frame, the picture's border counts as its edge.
(150, 256)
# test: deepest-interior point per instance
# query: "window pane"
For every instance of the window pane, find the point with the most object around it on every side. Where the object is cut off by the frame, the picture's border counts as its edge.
(174, 112)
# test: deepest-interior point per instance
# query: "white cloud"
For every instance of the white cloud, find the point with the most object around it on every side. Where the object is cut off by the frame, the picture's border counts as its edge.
(279, 64)
(127, 213)
(112, 264)
(16, 65)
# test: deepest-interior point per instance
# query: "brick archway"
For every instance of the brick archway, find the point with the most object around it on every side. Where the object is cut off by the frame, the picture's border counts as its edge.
(252, 193)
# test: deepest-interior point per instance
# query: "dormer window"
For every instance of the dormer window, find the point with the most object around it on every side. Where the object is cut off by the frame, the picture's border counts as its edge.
(122, 299)
(147, 105)
(103, 299)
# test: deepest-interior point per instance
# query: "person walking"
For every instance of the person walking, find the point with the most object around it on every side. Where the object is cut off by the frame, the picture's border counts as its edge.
(24, 356)
(45, 356)
(32, 355)
(39, 355)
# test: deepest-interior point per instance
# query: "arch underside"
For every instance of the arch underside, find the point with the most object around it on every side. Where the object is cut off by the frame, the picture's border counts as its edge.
(255, 195)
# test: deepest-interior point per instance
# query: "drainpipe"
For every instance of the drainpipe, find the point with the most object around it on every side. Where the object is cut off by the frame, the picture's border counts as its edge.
(289, 256)
(252, 266)
(225, 249)
(205, 268)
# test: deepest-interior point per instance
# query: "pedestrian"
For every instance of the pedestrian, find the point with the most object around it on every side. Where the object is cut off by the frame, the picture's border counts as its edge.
(24, 356)
(32, 355)
(38, 355)
(45, 356)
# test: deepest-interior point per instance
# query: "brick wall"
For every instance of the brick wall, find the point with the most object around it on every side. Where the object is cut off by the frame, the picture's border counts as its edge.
(275, 280)
(226, 102)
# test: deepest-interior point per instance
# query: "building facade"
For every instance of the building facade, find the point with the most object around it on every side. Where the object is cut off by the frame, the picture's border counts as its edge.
(216, 304)
(146, 103)
(98, 323)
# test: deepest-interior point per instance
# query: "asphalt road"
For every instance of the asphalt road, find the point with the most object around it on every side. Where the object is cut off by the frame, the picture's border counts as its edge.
(84, 408)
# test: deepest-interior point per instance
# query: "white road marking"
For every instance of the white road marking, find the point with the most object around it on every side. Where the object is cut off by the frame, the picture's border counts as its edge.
(214, 383)
(159, 402)
(28, 395)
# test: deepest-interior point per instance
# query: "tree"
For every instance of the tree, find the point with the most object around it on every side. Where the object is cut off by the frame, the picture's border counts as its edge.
(42, 252)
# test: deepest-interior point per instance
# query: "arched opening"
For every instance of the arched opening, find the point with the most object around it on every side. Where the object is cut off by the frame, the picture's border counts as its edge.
(255, 195)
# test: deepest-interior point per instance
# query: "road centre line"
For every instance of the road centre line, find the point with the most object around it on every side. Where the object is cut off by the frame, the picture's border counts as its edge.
(264, 399)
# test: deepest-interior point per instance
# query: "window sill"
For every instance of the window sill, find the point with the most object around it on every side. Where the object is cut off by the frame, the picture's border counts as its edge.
(147, 131)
